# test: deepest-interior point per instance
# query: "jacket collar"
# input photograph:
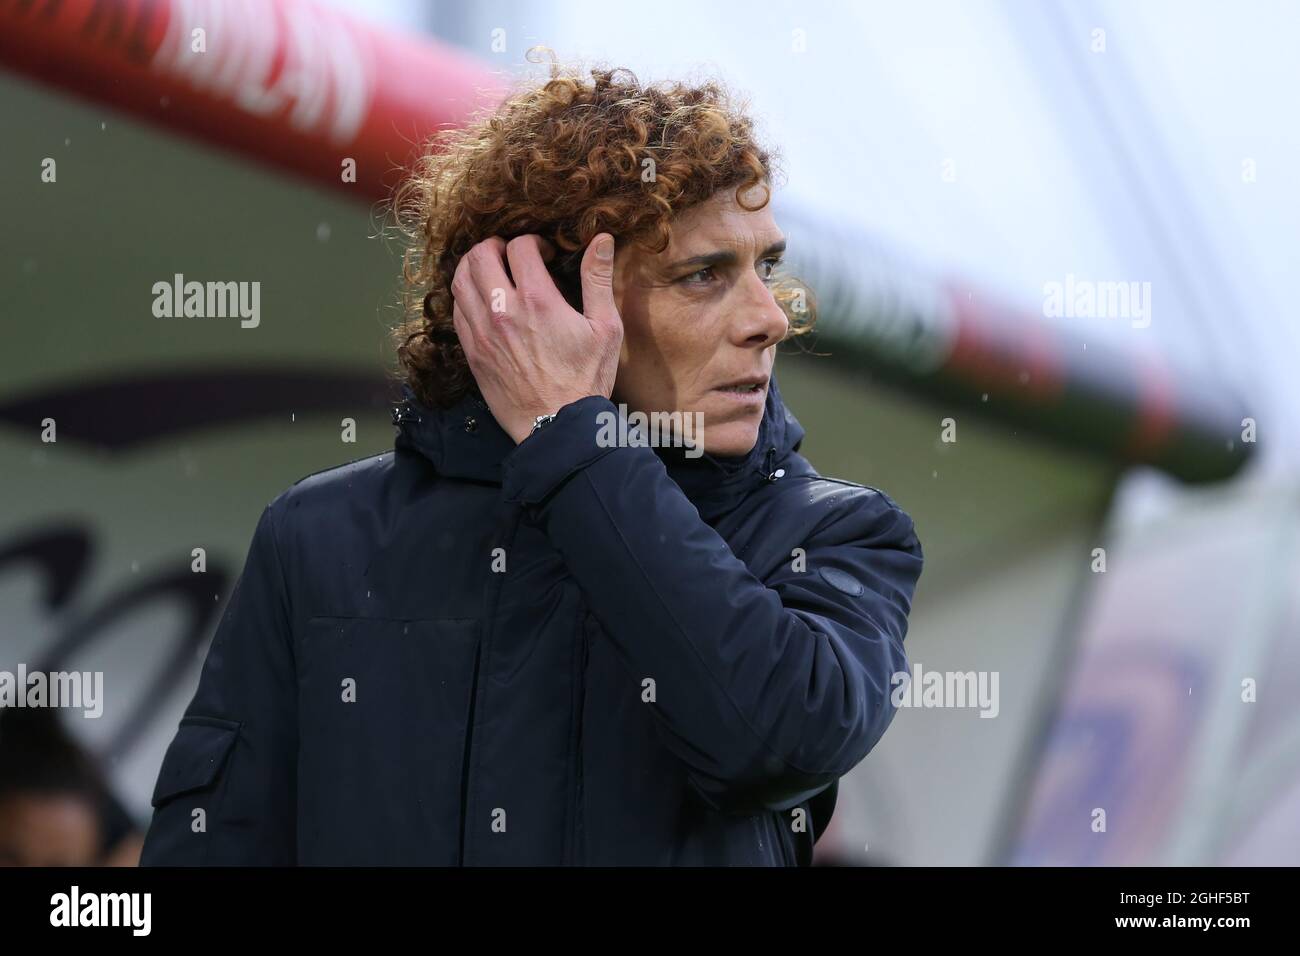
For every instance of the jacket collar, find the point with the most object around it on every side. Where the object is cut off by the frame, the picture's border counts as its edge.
(465, 441)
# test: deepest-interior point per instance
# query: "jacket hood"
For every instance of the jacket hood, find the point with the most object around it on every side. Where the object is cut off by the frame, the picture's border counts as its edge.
(465, 441)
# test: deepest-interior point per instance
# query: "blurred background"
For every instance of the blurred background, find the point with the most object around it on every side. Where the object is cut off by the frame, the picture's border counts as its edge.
(1055, 247)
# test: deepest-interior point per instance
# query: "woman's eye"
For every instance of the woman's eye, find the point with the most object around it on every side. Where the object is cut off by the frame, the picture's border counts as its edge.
(767, 270)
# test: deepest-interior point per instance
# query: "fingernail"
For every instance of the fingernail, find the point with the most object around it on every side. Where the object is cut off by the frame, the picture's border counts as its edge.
(605, 248)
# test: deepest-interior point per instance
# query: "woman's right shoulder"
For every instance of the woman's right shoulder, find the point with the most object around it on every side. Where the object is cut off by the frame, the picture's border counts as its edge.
(328, 487)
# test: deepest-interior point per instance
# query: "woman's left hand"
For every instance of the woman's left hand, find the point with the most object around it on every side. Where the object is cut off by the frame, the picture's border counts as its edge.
(530, 351)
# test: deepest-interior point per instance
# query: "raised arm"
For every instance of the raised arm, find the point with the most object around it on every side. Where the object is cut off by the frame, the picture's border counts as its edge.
(767, 690)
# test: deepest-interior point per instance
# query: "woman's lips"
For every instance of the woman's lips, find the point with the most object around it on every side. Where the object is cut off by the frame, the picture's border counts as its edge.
(743, 395)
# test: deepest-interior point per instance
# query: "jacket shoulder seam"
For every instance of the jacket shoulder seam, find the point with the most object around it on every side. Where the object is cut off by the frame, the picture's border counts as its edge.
(335, 467)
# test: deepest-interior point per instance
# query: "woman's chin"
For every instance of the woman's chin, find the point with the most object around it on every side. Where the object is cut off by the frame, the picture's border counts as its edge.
(730, 440)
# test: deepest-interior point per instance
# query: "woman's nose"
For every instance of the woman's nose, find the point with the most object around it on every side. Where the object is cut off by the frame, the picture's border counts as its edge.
(760, 319)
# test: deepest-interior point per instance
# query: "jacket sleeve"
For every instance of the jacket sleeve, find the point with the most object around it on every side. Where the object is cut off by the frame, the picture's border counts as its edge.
(226, 793)
(767, 690)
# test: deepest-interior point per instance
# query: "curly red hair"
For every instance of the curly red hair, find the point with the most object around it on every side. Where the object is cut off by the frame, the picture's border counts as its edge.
(567, 159)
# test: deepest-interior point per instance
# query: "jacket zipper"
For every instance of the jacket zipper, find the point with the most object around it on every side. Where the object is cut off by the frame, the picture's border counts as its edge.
(787, 853)
(505, 537)
(578, 851)
(775, 819)
(767, 823)
(464, 768)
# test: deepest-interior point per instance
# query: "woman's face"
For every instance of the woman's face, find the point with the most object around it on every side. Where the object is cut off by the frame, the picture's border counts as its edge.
(699, 319)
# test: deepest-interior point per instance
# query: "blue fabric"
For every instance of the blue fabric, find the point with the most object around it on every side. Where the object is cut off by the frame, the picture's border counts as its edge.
(467, 652)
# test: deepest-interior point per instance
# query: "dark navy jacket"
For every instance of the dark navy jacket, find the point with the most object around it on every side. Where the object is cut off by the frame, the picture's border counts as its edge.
(470, 652)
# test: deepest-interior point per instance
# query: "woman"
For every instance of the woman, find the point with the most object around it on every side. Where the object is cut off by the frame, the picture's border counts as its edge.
(524, 636)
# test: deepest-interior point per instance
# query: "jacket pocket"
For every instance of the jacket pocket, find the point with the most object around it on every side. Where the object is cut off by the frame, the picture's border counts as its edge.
(195, 757)
(188, 793)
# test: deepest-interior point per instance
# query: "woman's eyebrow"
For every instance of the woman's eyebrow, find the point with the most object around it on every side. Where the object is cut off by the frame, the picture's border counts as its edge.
(725, 257)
